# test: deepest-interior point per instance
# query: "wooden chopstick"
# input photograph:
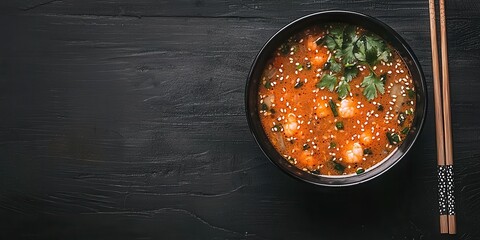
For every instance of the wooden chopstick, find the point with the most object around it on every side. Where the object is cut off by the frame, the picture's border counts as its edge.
(442, 199)
(443, 122)
(447, 121)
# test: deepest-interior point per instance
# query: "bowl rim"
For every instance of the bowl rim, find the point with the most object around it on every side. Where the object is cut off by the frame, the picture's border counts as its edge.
(421, 81)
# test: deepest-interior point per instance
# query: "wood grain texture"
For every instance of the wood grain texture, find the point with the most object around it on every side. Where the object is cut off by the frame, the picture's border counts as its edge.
(125, 120)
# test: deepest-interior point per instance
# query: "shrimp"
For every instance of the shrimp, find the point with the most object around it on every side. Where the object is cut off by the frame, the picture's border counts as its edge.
(291, 127)
(354, 153)
(307, 160)
(346, 109)
(322, 110)
(321, 57)
(366, 138)
(311, 44)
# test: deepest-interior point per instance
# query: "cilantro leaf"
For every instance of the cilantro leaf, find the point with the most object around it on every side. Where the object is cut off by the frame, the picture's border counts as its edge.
(337, 34)
(327, 81)
(350, 73)
(334, 66)
(349, 38)
(371, 56)
(330, 43)
(359, 51)
(375, 42)
(371, 85)
(371, 49)
(343, 89)
(385, 56)
(348, 56)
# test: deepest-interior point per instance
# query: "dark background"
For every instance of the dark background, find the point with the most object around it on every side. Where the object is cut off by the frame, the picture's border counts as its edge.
(125, 120)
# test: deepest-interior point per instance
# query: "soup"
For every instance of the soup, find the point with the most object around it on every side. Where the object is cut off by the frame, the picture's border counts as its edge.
(336, 100)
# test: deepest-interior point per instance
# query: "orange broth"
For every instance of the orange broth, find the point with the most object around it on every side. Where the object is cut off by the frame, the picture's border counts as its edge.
(297, 117)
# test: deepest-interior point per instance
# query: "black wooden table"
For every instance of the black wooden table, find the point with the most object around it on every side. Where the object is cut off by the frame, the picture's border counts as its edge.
(125, 120)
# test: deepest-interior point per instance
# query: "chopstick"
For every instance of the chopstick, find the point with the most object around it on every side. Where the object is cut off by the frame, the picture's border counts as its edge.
(447, 121)
(442, 123)
(442, 198)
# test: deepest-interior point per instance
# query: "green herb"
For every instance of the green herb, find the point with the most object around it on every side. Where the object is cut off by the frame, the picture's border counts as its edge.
(367, 151)
(337, 34)
(284, 49)
(350, 73)
(380, 107)
(333, 145)
(264, 107)
(267, 84)
(333, 107)
(339, 125)
(371, 85)
(298, 85)
(360, 171)
(334, 66)
(401, 118)
(327, 81)
(305, 146)
(343, 89)
(409, 112)
(299, 67)
(277, 127)
(405, 130)
(334, 39)
(339, 167)
(372, 49)
(393, 138)
(349, 39)
(350, 49)
(411, 93)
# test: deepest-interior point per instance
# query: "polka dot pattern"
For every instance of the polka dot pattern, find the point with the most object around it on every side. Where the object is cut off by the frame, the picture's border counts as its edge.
(450, 188)
(442, 190)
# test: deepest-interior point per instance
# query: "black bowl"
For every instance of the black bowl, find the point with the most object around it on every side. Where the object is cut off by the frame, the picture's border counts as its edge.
(369, 23)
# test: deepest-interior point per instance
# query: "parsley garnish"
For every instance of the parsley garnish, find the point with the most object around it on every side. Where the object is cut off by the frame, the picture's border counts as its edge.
(350, 73)
(334, 66)
(343, 88)
(371, 85)
(349, 50)
(327, 81)
(372, 49)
